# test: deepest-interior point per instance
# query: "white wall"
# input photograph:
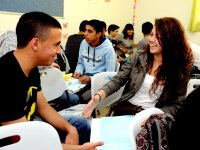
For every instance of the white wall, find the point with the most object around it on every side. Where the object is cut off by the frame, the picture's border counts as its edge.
(148, 10)
(116, 11)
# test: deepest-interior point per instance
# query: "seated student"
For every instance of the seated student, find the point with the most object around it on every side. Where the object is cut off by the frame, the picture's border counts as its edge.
(146, 30)
(104, 26)
(113, 32)
(73, 45)
(185, 131)
(38, 42)
(8, 42)
(96, 54)
(156, 77)
(125, 41)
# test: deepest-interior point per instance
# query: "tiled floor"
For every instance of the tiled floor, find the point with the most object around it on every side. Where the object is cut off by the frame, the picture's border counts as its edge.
(103, 112)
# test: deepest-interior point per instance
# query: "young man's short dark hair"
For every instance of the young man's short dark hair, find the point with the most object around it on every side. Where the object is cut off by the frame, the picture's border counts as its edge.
(112, 27)
(34, 24)
(147, 27)
(96, 24)
(82, 25)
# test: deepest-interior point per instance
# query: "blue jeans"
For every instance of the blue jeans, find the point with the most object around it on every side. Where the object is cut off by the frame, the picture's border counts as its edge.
(82, 125)
(64, 101)
(74, 98)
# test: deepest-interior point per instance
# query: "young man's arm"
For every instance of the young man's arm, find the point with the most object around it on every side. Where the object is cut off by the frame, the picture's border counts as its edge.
(52, 117)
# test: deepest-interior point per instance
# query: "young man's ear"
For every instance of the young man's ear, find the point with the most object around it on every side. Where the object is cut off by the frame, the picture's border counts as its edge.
(34, 44)
(99, 34)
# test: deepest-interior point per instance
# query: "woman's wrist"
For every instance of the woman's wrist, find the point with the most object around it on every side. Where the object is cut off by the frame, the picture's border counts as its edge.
(98, 96)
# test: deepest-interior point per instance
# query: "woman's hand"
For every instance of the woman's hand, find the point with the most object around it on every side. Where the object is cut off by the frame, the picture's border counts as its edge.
(90, 107)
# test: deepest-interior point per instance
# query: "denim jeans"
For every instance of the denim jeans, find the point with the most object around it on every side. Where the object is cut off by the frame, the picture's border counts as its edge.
(74, 99)
(64, 101)
(82, 125)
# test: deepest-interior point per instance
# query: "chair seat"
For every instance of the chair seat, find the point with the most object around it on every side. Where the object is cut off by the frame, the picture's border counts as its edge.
(34, 135)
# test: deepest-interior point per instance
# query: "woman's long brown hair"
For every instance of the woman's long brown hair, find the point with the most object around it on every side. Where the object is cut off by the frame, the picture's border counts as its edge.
(177, 58)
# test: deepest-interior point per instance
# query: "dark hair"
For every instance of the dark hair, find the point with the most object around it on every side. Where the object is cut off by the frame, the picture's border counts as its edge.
(82, 25)
(177, 58)
(103, 23)
(96, 24)
(112, 27)
(34, 24)
(147, 27)
(127, 27)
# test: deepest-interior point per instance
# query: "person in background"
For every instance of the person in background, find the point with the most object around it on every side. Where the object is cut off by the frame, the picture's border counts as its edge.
(146, 30)
(104, 28)
(38, 42)
(156, 77)
(73, 45)
(125, 41)
(113, 32)
(96, 55)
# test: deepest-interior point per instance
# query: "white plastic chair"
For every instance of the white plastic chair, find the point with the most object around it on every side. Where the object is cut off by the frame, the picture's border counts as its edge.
(98, 80)
(137, 120)
(192, 84)
(64, 57)
(117, 66)
(52, 83)
(34, 135)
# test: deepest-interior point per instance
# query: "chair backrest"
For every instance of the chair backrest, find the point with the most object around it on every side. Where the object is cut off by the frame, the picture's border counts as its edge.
(63, 61)
(34, 135)
(192, 84)
(98, 80)
(52, 83)
(137, 120)
(117, 66)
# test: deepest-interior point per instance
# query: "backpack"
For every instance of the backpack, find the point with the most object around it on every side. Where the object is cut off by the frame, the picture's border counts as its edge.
(154, 135)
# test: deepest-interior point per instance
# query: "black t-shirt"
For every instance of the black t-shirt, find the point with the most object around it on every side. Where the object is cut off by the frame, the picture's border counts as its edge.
(17, 92)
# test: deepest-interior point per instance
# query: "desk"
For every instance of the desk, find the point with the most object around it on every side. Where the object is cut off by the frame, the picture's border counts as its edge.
(74, 85)
(74, 110)
(114, 131)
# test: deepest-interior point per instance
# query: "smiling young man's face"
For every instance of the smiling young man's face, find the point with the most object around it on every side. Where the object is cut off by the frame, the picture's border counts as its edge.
(50, 47)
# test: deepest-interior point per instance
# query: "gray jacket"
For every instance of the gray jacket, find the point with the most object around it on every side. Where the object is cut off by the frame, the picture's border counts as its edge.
(132, 73)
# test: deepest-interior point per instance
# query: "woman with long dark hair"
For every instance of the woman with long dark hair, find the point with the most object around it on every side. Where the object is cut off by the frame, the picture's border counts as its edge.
(157, 77)
(125, 41)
